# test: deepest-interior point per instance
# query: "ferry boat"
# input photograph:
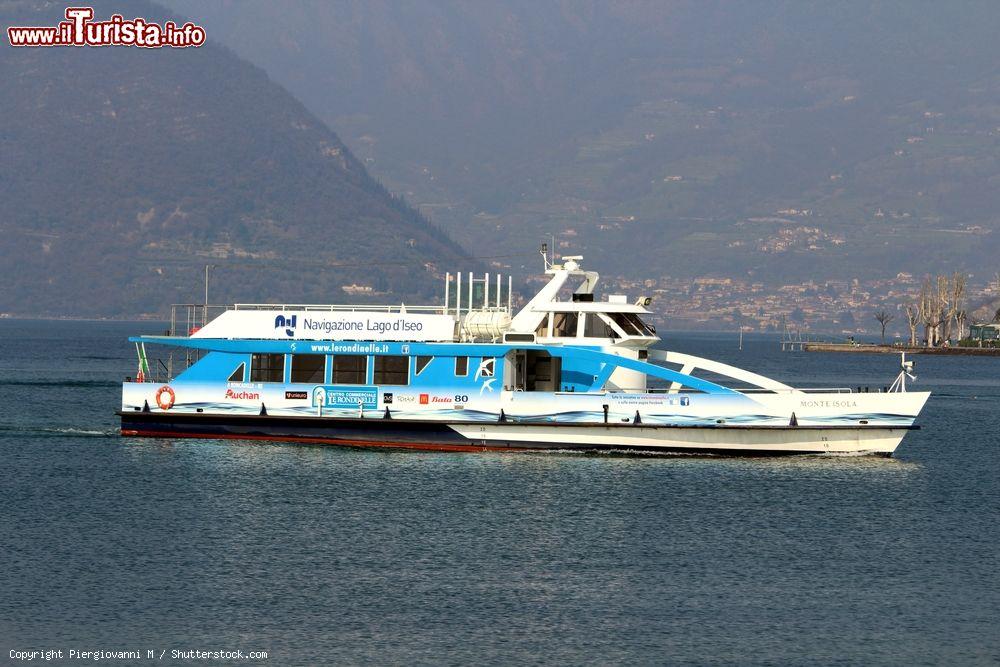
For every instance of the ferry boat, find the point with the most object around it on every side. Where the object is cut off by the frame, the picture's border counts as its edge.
(567, 371)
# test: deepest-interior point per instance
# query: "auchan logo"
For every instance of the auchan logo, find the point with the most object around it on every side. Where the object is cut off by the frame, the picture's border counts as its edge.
(242, 395)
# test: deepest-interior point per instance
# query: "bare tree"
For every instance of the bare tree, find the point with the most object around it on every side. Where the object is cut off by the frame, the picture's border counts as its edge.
(956, 296)
(883, 317)
(942, 300)
(935, 294)
(927, 310)
(939, 307)
(912, 321)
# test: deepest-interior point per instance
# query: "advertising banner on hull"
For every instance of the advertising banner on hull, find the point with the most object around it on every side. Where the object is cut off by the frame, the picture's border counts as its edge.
(339, 396)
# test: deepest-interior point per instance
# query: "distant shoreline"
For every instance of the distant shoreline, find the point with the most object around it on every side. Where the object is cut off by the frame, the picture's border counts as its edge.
(896, 349)
(71, 318)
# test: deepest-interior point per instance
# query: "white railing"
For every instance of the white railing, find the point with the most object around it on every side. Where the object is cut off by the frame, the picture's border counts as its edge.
(186, 318)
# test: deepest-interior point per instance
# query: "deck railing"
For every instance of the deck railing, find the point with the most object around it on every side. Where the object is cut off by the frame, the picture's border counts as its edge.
(334, 308)
(187, 318)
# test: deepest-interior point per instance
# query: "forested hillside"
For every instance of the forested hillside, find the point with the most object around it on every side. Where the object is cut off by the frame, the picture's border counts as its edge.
(124, 171)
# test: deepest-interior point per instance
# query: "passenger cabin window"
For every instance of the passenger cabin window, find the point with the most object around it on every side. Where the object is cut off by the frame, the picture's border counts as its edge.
(267, 368)
(461, 366)
(350, 369)
(422, 363)
(238, 374)
(564, 324)
(392, 370)
(488, 367)
(308, 368)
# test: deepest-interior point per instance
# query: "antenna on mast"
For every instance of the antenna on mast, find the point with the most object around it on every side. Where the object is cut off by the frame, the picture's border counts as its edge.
(905, 371)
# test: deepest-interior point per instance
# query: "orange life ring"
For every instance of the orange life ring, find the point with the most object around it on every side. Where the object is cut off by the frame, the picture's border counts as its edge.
(165, 402)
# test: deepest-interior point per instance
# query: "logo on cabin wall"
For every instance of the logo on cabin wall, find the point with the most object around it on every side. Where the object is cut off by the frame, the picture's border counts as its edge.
(425, 399)
(242, 395)
(286, 323)
(486, 371)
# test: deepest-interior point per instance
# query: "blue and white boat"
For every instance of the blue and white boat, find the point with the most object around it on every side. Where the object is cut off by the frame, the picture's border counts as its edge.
(566, 372)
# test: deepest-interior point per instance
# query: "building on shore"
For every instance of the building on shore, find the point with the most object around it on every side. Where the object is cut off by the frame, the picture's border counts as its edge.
(988, 333)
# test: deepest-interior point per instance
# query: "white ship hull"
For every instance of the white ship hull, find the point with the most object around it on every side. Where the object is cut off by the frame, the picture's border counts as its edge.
(758, 440)
(732, 440)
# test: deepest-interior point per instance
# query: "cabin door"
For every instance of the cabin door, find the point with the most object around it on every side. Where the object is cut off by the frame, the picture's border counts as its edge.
(536, 370)
(520, 363)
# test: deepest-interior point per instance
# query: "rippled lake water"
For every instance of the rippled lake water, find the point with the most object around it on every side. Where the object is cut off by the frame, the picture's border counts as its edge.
(321, 555)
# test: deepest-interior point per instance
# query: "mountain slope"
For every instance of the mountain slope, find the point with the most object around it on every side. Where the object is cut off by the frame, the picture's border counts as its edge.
(125, 170)
(671, 132)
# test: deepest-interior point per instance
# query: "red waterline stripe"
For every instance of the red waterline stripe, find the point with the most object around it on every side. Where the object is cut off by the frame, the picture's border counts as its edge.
(424, 446)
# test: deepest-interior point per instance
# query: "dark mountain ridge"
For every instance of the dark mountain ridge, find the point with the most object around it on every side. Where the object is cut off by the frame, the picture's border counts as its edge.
(126, 170)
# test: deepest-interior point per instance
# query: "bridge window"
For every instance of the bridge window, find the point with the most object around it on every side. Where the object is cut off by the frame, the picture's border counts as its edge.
(267, 368)
(350, 369)
(593, 326)
(308, 368)
(461, 366)
(543, 329)
(394, 370)
(631, 324)
(564, 324)
(603, 327)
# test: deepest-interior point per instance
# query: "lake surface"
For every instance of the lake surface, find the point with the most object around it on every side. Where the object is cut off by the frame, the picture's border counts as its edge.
(321, 555)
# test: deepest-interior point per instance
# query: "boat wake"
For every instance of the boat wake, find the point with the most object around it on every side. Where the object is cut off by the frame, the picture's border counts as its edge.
(843, 455)
(58, 432)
